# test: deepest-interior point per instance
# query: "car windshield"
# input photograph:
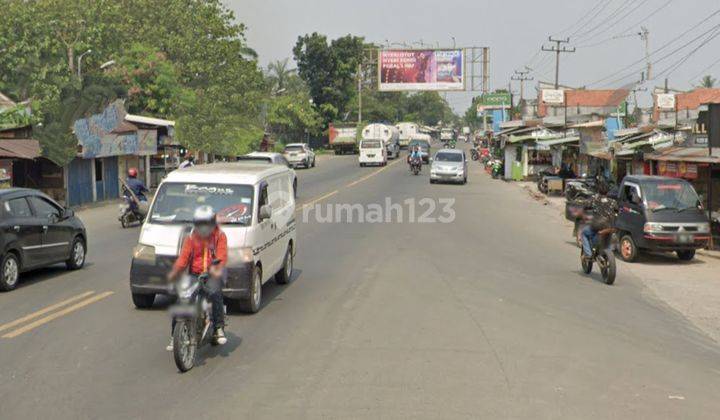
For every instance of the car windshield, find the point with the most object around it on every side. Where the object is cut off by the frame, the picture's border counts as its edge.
(671, 194)
(420, 143)
(293, 149)
(176, 202)
(370, 144)
(448, 157)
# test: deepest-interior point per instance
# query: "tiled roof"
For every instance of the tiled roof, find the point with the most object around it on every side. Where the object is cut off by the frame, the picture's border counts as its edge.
(697, 97)
(607, 98)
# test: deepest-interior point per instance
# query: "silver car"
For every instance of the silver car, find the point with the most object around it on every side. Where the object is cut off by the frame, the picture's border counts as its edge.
(449, 165)
(299, 154)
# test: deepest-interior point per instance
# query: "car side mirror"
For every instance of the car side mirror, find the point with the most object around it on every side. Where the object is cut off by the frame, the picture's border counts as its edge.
(67, 213)
(265, 212)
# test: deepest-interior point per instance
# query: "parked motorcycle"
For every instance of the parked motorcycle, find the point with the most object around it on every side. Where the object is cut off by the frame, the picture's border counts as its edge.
(498, 169)
(192, 318)
(474, 155)
(603, 255)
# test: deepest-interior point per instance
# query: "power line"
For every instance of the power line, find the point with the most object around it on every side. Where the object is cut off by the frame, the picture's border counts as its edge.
(680, 62)
(605, 20)
(667, 44)
(579, 21)
(604, 5)
(701, 72)
(607, 28)
(623, 33)
(557, 50)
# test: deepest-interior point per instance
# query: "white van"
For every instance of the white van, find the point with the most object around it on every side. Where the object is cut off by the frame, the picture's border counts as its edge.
(255, 205)
(372, 152)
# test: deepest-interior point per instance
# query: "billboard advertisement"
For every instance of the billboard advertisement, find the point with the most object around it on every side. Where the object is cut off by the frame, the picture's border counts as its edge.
(413, 70)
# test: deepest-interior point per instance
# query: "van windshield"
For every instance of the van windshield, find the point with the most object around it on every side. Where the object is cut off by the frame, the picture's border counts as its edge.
(670, 195)
(176, 202)
(370, 144)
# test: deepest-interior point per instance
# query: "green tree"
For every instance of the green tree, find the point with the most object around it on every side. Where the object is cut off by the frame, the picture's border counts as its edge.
(708, 81)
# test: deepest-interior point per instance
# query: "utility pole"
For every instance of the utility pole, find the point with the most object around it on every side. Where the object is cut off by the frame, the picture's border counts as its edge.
(359, 71)
(521, 75)
(485, 70)
(557, 50)
(645, 36)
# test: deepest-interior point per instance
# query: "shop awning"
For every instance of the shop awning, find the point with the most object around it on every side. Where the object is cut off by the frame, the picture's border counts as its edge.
(600, 154)
(559, 140)
(683, 154)
(19, 149)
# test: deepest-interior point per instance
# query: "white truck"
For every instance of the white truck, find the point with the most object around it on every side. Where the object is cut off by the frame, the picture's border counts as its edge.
(407, 131)
(389, 135)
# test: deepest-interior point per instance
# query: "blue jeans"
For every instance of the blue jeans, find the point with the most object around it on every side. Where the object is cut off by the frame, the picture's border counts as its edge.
(589, 236)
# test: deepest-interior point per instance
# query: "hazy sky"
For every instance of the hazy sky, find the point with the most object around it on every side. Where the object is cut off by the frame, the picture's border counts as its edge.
(514, 31)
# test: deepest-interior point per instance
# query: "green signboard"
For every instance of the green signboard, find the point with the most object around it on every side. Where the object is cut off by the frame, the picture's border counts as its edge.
(495, 100)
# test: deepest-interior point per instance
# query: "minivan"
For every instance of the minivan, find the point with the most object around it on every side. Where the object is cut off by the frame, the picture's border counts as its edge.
(372, 152)
(660, 214)
(255, 206)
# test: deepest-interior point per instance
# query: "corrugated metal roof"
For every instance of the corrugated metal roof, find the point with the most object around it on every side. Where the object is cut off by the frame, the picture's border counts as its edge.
(20, 149)
(559, 140)
(683, 154)
(139, 119)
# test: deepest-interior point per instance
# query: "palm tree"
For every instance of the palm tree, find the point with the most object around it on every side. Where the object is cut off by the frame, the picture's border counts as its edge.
(708, 81)
(279, 73)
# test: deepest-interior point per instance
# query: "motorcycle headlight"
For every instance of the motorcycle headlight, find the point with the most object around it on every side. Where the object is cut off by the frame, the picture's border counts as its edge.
(144, 253)
(704, 228)
(652, 227)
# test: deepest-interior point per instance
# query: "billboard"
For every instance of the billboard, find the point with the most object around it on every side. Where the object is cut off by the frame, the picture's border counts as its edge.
(553, 96)
(413, 70)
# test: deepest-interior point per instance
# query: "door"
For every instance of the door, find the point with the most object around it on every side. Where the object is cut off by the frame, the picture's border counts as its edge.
(266, 233)
(57, 233)
(80, 182)
(99, 180)
(112, 187)
(23, 229)
(630, 212)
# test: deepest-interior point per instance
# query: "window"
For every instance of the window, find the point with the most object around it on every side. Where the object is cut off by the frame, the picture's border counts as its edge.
(630, 194)
(43, 208)
(263, 195)
(18, 208)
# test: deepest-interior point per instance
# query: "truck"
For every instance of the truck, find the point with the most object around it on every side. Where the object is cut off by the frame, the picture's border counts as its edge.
(342, 138)
(447, 134)
(389, 134)
(408, 131)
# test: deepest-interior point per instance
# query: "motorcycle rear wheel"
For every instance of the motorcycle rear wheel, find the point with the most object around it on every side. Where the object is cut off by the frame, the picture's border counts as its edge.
(124, 221)
(184, 346)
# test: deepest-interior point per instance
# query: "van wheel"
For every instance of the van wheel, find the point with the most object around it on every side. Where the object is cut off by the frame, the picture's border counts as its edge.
(686, 255)
(251, 303)
(142, 301)
(284, 276)
(628, 249)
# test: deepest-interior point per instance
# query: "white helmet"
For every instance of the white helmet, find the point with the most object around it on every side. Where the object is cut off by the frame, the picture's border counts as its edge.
(204, 220)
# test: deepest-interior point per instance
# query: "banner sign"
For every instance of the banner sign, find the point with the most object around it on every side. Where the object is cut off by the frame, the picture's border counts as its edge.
(497, 100)
(421, 70)
(553, 96)
(666, 100)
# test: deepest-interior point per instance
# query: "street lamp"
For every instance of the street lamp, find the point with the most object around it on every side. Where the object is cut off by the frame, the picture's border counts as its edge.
(79, 63)
(107, 64)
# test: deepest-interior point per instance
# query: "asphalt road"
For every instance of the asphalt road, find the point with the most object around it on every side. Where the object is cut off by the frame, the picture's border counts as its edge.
(487, 316)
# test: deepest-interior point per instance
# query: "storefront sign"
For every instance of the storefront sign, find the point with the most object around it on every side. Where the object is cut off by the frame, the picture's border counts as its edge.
(666, 101)
(679, 169)
(553, 96)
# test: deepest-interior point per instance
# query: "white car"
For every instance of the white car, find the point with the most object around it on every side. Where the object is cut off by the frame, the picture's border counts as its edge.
(255, 205)
(299, 154)
(372, 152)
(449, 165)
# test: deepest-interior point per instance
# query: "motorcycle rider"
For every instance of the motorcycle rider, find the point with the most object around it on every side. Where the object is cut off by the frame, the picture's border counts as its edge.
(205, 251)
(604, 210)
(137, 187)
(415, 156)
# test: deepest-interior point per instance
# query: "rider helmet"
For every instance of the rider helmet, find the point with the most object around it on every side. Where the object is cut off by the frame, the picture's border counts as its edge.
(204, 221)
(132, 173)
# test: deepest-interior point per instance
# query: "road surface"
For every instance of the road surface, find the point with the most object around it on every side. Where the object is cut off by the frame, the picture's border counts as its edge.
(484, 317)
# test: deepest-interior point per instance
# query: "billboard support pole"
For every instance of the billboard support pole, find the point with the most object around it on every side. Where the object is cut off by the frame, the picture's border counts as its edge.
(359, 94)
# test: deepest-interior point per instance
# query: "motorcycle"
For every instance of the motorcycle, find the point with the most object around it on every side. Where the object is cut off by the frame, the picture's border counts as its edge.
(603, 255)
(192, 317)
(474, 155)
(498, 169)
(129, 212)
(415, 165)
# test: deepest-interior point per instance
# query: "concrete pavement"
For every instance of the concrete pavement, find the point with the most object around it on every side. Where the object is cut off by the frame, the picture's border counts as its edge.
(484, 317)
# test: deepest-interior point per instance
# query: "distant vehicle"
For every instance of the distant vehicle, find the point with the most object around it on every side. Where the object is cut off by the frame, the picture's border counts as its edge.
(256, 210)
(466, 131)
(342, 138)
(299, 154)
(447, 134)
(37, 232)
(660, 214)
(271, 158)
(387, 133)
(424, 146)
(372, 152)
(407, 132)
(449, 165)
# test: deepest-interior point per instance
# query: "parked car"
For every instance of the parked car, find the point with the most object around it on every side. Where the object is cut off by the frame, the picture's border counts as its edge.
(37, 232)
(424, 146)
(660, 214)
(449, 165)
(271, 158)
(256, 210)
(299, 154)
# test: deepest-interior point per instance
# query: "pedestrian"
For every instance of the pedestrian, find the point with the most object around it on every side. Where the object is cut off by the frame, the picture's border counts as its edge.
(189, 161)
